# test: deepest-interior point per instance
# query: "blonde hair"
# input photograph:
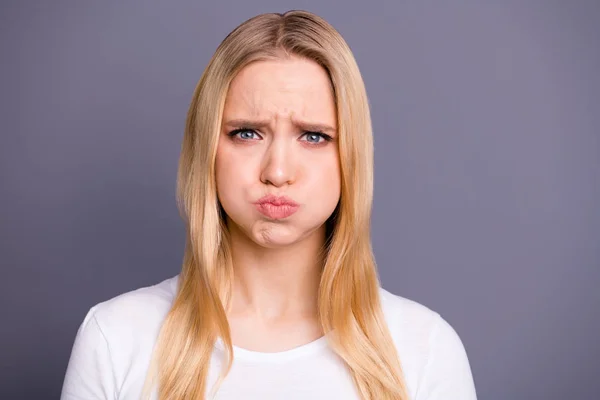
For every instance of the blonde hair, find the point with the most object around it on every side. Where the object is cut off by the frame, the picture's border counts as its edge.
(348, 301)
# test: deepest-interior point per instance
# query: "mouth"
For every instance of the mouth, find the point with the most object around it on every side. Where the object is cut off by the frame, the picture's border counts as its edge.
(276, 207)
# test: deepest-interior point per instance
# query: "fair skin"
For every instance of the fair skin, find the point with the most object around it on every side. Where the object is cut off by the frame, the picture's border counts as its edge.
(284, 104)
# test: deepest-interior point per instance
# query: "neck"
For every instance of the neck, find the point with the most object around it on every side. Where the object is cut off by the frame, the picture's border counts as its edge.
(274, 284)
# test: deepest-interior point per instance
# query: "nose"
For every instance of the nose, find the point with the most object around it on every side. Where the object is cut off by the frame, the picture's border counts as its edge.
(278, 165)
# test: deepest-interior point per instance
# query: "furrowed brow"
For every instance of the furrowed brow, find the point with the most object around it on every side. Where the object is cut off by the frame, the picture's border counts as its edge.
(315, 127)
(247, 123)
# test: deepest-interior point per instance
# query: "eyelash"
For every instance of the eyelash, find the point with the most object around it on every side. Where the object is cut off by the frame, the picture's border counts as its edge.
(325, 136)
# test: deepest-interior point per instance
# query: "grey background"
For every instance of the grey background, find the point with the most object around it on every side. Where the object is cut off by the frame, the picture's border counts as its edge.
(486, 119)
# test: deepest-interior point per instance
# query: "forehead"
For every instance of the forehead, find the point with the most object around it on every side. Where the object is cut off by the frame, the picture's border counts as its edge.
(282, 88)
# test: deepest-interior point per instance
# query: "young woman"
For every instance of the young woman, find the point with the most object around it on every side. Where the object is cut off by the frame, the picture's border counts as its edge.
(278, 297)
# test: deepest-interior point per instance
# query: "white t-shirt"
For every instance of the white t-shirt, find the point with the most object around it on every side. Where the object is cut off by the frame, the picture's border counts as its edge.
(113, 346)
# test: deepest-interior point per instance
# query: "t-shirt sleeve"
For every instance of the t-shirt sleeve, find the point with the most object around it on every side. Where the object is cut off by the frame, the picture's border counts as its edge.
(89, 373)
(447, 374)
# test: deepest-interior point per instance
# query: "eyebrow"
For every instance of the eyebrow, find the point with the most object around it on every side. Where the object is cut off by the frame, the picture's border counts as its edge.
(303, 125)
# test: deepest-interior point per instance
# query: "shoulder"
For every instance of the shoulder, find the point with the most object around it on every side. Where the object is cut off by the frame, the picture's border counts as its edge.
(407, 319)
(432, 354)
(412, 325)
(114, 343)
(136, 311)
(410, 319)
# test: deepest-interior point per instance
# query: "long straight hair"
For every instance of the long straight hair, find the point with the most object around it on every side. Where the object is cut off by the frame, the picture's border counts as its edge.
(349, 306)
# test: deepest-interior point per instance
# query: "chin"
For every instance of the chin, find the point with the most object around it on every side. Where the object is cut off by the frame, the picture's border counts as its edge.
(273, 237)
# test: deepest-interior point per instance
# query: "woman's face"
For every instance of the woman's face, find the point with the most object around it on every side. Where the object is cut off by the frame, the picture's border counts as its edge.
(279, 138)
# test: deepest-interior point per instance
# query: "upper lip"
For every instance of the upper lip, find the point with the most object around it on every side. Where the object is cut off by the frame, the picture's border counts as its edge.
(277, 200)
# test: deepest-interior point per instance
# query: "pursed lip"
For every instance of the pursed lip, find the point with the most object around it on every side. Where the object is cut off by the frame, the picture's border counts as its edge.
(276, 207)
(277, 200)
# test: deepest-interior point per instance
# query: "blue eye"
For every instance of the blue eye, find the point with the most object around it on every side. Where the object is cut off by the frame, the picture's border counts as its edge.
(246, 134)
(243, 133)
(313, 137)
